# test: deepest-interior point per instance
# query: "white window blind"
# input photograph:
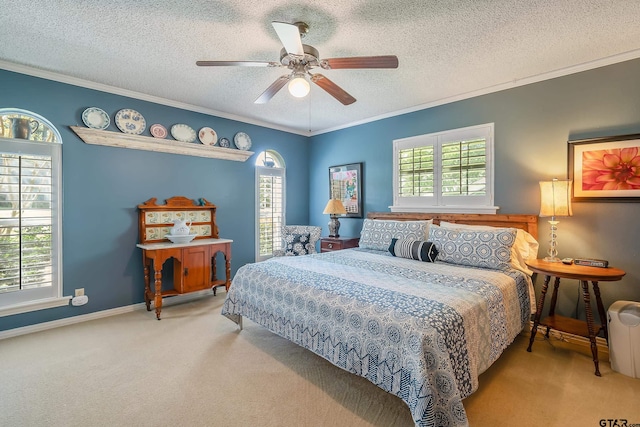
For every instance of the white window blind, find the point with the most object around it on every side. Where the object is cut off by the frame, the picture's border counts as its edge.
(30, 250)
(449, 171)
(25, 224)
(416, 171)
(270, 203)
(464, 168)
(271, 213)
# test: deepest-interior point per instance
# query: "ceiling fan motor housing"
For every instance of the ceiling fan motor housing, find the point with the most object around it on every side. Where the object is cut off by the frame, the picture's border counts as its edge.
(310, 57)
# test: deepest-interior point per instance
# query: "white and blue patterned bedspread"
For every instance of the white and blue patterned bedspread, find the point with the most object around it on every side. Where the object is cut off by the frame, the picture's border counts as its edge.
(422, 331)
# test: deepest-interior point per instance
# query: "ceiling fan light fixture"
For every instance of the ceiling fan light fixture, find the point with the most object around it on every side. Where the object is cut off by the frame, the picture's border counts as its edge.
(299, 86)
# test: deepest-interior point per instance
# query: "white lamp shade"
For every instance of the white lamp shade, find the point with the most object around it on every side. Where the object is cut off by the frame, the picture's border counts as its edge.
(299, 87)
(555, 198)
(334, 207)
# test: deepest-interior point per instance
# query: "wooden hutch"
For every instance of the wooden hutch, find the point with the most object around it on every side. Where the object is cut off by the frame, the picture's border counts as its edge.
(194, 263)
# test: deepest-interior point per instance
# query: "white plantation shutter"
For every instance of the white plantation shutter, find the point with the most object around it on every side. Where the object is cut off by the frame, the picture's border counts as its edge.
(464, 168)
(30, 256)
(270, 210)
(448, 171)
(416, 171)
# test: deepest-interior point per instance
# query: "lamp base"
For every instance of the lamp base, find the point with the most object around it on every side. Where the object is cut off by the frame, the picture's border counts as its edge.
(552, 252)
(334, 226)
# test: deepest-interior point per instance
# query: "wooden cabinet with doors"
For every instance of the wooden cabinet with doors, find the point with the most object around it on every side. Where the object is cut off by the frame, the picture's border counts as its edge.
(194, 263)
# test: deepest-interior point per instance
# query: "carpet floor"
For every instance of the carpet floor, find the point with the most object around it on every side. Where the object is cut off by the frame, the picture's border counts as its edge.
(195, 368)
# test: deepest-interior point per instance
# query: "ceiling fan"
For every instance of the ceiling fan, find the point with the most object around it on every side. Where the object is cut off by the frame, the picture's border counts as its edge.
(300, 58)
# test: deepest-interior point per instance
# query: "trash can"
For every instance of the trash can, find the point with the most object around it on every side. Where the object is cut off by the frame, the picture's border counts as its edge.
(624, 337)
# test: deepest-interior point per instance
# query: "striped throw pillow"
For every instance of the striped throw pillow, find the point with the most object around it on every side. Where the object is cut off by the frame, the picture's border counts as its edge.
(419, 250)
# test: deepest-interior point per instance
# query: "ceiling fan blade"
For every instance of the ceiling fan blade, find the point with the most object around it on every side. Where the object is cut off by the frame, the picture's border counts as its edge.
(385, 61)
(239, 63)
(332, 89)
(272, 90)
(289, 35)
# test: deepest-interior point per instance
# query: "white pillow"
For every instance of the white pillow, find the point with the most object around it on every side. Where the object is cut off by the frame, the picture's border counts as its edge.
(525, 247)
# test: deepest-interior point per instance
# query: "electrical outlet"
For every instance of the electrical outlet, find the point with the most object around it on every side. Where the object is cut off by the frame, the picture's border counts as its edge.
(79, 292)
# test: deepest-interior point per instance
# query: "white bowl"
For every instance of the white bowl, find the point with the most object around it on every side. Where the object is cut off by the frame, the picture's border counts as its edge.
(184, 238)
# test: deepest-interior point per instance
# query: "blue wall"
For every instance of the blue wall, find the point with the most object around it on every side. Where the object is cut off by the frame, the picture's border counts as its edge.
(103, 185)
(532, 126)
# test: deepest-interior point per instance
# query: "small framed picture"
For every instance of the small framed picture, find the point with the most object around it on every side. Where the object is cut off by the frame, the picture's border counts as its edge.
(345, 184)
(605, 169)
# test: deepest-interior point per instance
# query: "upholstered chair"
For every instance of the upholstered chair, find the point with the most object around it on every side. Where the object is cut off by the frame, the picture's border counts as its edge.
(298, 240)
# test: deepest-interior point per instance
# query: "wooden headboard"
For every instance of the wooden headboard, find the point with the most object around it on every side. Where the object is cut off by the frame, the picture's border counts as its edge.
(527, 223)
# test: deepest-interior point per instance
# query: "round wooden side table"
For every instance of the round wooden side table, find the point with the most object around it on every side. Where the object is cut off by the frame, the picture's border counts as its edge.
(585, 275)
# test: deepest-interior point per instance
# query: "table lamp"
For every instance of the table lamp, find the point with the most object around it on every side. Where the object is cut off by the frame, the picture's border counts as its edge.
(555, 201)
(334, 208)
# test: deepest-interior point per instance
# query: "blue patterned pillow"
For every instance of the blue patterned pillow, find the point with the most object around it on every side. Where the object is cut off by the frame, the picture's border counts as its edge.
(296, 244)
(474, 248)
(377, 233)
(413, 249)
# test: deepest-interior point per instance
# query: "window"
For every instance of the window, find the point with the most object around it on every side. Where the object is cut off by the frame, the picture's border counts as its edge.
(449, 171)
(270, 192)
(30, 213)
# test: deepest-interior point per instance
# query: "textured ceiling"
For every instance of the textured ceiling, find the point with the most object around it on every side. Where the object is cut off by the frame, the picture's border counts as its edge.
(446, 49)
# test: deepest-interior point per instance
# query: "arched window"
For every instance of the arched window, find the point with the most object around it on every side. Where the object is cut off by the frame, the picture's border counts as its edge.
(30, 213)
(23, 124)
(270, 203)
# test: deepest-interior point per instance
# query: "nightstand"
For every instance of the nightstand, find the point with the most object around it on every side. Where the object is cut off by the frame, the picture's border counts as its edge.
(328, 244)
(585, 275)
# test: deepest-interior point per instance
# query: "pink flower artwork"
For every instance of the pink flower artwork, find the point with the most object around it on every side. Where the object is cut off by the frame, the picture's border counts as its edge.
(612, 169)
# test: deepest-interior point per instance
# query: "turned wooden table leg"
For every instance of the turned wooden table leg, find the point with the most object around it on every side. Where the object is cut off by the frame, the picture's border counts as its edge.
(214, 267)
(536, 319)
(227, 263)
(592, 334)
(147, 287)
(158, 296)
(554, 299)
(601, 312)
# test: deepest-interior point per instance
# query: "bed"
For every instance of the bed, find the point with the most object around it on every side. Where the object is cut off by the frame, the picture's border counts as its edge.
(420, 326)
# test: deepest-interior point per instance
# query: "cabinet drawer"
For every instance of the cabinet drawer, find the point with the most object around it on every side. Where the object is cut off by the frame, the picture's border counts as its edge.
(328, 244)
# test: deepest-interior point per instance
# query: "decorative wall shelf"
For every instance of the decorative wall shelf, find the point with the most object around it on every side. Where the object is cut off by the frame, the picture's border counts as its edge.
(149, 143)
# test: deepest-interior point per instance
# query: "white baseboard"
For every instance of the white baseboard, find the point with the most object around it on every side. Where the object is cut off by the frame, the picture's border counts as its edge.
(602, 344)
(10, 333)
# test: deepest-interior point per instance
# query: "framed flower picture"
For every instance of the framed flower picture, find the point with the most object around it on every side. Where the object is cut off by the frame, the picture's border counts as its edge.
(605, 169)
(345, 184)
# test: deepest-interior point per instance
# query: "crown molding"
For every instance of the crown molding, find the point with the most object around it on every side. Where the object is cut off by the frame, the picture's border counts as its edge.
(75, 81)
(516, 82)
(585, 66)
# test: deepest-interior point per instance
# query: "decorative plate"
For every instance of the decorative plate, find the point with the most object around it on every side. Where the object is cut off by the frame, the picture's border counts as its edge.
(208, 136)
(130, 121)
(95, 118)
(183, 133)
(224, 142)
(158, 130)
(242, 141)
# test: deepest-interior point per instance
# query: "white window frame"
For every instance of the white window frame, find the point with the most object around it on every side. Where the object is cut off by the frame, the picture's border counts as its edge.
(277, 170)
(28, 300)
(438, 203)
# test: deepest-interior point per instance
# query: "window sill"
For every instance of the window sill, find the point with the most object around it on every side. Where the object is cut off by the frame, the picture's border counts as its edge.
(34, 306)
(447, 209)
